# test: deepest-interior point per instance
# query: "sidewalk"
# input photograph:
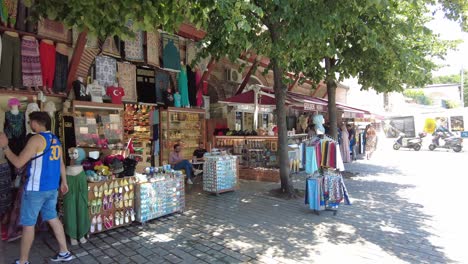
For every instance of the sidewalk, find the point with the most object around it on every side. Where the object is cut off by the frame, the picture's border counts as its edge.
(249, 226)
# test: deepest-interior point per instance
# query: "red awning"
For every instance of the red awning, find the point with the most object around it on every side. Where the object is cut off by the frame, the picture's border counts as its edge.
(248, 98)
(306, 103)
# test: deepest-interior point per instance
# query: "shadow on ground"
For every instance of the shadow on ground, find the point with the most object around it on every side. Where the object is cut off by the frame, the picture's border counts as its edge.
(248, 225)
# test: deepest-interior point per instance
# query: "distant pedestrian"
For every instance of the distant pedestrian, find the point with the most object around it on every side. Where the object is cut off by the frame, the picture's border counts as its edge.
(344, 144)
(371, 141)
(352, 140)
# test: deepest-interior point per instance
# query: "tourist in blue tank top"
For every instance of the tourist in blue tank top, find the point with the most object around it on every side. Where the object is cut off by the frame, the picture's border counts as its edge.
(45, 172)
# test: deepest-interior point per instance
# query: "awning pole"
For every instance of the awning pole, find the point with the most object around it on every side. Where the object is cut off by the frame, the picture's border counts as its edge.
(256, 91)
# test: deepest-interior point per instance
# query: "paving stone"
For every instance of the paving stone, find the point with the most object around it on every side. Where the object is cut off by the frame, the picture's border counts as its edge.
(173, 258)
(139, 259)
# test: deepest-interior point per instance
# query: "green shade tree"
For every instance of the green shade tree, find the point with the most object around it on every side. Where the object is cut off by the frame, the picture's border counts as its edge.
(382, 42)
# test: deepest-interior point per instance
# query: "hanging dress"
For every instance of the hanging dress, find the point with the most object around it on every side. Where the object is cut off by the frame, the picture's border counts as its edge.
(183, 88)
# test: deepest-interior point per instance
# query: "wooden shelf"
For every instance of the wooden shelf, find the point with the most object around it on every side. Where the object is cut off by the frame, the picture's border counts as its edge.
(94, 105)
(24, 33)
(185, 110)
(4, 91)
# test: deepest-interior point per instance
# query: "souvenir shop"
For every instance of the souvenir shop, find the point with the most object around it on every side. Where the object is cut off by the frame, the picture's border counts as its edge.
(118, 109)
(251, 135)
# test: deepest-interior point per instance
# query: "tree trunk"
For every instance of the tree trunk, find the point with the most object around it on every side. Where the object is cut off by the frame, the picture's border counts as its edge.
(331, 91)
(332, 118)
(280, 96)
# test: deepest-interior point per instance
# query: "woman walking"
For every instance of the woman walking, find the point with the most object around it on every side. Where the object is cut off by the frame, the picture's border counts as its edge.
(371, 141)
(344, 146)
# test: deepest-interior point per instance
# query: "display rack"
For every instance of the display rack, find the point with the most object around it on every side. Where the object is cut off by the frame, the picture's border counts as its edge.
(137, 127)
(112, 201)
(182, 126)
(325, 188)
(220, 173)
(163, 195)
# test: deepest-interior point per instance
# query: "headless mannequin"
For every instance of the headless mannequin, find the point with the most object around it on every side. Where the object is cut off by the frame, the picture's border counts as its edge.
(96, 91)
(73, 170)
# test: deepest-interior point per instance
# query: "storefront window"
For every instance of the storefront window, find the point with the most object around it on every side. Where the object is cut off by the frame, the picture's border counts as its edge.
(264, 120)
(238, 121)
(456, 123)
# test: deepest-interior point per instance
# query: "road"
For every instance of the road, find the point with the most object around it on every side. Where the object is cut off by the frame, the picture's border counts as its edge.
(430, 187)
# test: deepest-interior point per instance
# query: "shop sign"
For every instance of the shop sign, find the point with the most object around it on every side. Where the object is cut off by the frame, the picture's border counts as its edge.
(251, 109)
(348, 115)
(309, 106)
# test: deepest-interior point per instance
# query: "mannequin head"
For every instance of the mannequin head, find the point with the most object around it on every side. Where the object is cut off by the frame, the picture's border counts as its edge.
(50, 108)
(32, 107)
(73, 154)
(66, 106)
(14, 104)
(81, 155)
(318, 121)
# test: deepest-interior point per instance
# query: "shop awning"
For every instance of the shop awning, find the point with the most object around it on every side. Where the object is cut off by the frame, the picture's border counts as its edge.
(306, 103)
(248, 98)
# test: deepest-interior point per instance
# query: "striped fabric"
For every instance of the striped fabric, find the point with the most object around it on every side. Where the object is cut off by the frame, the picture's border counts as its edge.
(88, 57)
(31, 64)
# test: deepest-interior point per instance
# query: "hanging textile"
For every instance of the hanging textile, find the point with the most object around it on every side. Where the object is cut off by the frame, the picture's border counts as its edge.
(106, 70)
(53, 29)
(183, 87)
(127, 80)
(111, 47)
(162, 85)
(152, 48)
(192, 86)
(134, 48)
(191, 52)
(171, 53)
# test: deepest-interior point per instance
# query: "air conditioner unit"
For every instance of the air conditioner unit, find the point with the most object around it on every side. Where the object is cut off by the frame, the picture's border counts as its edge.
(233, 76)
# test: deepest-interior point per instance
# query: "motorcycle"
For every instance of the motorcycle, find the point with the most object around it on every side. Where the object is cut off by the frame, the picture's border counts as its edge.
(411, 143)
(450, 141)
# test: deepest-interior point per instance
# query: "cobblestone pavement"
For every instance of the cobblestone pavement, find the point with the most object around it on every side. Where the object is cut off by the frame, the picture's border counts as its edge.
(406, 209)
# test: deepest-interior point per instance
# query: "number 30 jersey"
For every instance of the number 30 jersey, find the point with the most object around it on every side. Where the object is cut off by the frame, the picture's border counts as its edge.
(44, 169)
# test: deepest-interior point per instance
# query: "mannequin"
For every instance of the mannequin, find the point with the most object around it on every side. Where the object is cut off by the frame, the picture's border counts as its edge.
(32, 107)
(177, 98)
(116, 93)
(15, 126)
(303, 122)
(318, 121)
(50, 109)
(96, 91)
(79, 89)
(66, 107)
(75, 202)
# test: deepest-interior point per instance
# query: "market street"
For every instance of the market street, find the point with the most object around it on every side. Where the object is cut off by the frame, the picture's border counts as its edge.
(407, 208)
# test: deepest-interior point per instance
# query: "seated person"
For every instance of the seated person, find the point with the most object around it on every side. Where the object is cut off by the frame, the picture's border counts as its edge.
(199, 153)
(179, 163)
